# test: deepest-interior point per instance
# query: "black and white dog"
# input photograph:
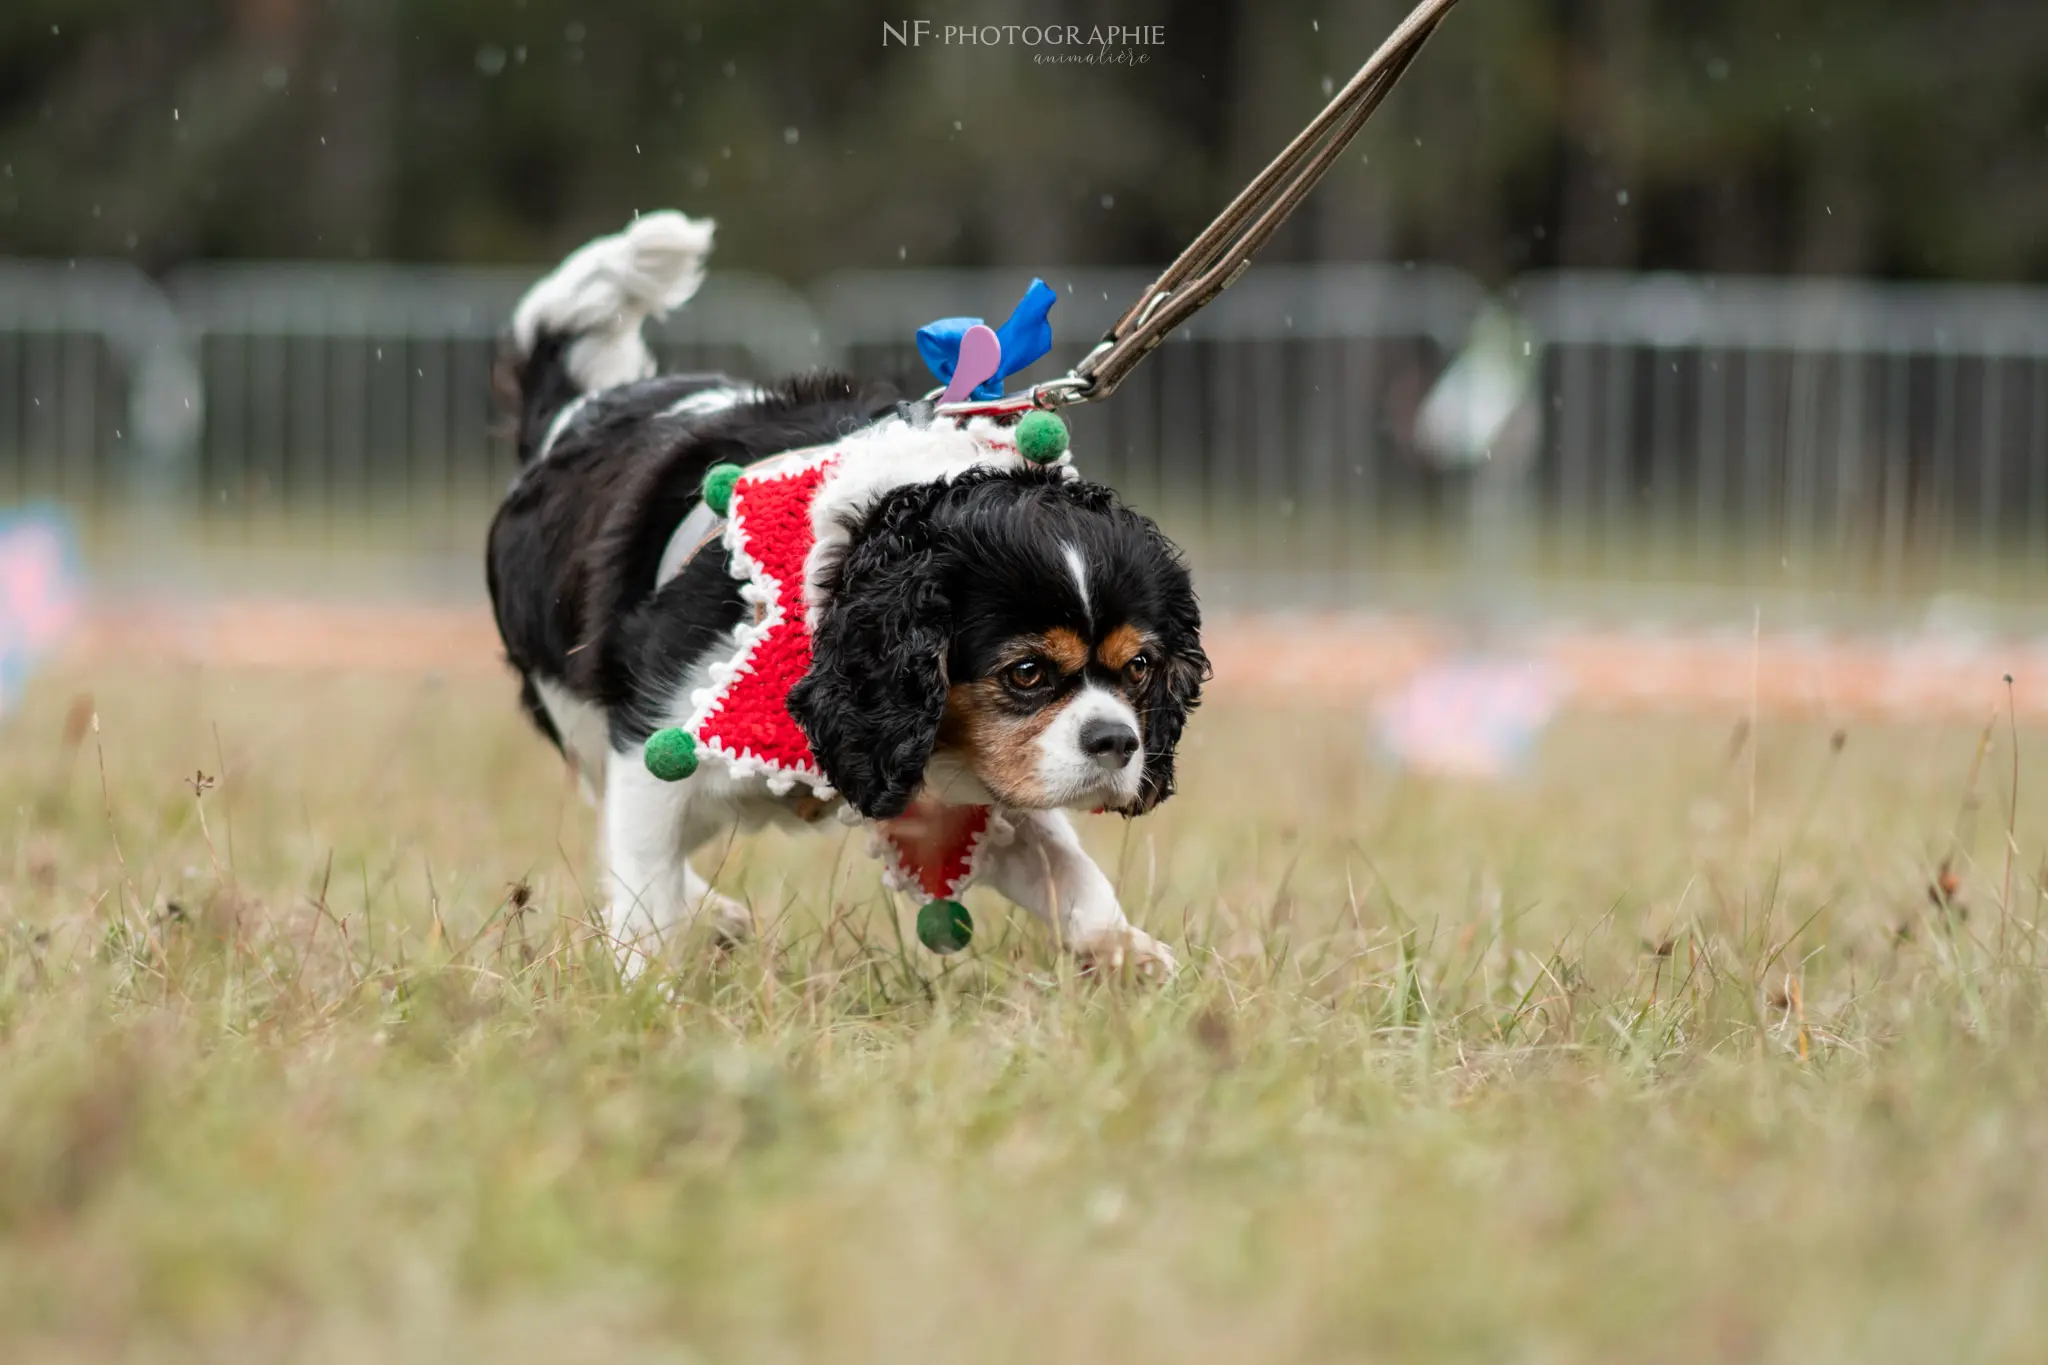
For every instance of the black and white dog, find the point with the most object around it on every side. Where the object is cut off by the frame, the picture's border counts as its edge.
(985, 631)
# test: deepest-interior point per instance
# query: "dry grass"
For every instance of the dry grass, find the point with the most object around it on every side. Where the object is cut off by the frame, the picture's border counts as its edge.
(1665, 1053)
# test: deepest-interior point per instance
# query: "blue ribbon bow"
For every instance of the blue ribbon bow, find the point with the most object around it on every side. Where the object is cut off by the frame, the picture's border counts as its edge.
(1025, 338)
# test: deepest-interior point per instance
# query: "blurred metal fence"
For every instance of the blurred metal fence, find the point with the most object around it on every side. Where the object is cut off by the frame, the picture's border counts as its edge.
(365, 391)
(99, 399)
(1696, 427)
(1272, 432)
(1859, 431)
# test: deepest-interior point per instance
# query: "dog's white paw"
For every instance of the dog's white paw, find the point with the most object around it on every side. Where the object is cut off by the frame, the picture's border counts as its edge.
(727, 920)
(1127, 947)
(632, 960)
(730, 921)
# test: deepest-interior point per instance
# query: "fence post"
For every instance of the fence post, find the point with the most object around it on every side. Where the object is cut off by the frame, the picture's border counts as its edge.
(166, 401)
(155, 429)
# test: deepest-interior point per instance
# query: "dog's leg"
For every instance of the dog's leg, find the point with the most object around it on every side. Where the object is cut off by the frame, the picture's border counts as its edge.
(1045, 870)
(653, 892)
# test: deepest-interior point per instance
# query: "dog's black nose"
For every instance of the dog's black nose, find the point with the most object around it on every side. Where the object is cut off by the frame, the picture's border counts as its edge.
(1109, 742)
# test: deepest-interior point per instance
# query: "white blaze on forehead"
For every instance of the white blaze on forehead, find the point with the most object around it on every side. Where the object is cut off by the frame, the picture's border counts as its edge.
(1079, 568)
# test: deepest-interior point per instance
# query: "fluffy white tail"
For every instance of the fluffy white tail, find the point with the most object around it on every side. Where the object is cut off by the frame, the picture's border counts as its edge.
(598, 298)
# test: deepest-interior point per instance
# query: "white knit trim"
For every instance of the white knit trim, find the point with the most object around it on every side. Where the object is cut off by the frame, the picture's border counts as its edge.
(758, 589)
(996, 832)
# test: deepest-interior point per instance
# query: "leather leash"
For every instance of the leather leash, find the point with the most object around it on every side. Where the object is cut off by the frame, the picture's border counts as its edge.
(1224, 250)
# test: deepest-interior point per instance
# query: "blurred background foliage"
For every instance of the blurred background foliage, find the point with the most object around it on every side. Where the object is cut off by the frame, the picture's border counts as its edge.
(1882, 137)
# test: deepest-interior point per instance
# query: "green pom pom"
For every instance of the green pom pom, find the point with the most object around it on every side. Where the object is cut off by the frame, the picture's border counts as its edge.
(718, 486)
(1041, 437)
(944, 926)
(671, 754)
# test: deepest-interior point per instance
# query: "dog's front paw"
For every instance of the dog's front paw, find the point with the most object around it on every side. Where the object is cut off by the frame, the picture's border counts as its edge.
(637, 944)
(730, 922)
(1113, 950)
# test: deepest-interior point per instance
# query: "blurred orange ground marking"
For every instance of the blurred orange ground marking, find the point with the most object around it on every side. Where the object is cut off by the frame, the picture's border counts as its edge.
(1329, 659)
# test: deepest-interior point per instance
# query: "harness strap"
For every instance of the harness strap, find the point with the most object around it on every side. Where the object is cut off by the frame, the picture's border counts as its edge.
(698, 529)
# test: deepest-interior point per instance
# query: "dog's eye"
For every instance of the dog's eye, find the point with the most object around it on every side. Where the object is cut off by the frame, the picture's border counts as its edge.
(1138, 669)
(1028, 676)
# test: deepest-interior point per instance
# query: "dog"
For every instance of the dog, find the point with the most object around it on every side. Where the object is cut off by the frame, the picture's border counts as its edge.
(992, 642)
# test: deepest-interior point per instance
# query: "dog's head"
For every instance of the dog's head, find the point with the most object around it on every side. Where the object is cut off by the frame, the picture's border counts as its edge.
(1008, 636)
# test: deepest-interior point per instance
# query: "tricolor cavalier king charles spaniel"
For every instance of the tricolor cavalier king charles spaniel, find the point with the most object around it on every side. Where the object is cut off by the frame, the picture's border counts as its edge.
(984, 631)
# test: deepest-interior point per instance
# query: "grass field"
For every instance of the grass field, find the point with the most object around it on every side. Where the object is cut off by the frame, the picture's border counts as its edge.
(1667, 1052)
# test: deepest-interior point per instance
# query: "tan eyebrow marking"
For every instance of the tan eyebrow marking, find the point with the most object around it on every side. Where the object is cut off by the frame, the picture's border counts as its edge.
(1120, 646)
(1066, 649)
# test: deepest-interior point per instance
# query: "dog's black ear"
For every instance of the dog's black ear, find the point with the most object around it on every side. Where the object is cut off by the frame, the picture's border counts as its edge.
(876, 690)
(1176, 685)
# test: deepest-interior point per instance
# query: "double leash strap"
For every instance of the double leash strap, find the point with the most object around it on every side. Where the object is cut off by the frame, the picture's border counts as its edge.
(1212, 263)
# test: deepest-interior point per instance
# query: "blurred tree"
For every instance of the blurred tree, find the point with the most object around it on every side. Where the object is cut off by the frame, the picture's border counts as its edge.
(1888, 136)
